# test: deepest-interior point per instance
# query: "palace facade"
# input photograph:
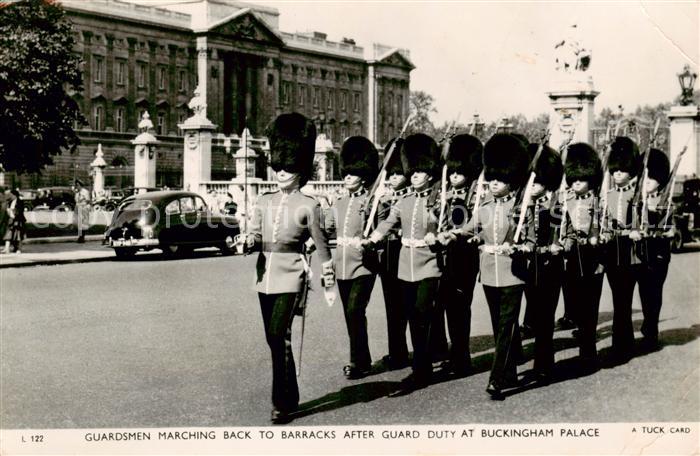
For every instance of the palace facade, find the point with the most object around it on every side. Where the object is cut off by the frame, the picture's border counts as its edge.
(143, 58)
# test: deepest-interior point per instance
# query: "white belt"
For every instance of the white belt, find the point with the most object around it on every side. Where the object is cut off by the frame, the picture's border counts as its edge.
(348, 241)
(413, 242)
(493, 249)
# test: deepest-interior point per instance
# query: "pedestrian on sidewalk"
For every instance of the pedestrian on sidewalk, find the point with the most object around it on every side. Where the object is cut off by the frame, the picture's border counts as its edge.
(82, 209)
(14, 234)
(4, 219)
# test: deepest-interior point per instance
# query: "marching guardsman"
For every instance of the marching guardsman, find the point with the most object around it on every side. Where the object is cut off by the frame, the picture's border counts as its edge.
(355, 271)
(583, 271)
(464, 165)
(388, 249)
(546, 265)
(656, 243)
(282, 222)
(622, 264)
(419, 270)
(502, 267)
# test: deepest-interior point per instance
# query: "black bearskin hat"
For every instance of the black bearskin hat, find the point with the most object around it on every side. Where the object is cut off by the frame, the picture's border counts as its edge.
(624, 156)
(359, 157)
(419, 152)
(394, 165)
(522, 138)
(658, 167)
(506, 160)
(292, 144)
(583, 163)
(465, 156)
(548, 169)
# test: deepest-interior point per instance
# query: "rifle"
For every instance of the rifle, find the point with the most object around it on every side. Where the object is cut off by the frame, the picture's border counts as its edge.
(563, 152)
(446, 141)
(527, 193)
(605, 185)
(639, 193)
(371, 196)
(666, 196)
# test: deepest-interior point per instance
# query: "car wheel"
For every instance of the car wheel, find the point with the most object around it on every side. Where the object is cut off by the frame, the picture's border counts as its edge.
(124, 252)
(677, 242)
(229, 246)
(63, 208)
(109, 207)
(175, 250)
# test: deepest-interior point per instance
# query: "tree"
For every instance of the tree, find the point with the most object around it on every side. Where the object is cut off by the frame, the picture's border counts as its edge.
(38, 74)
(421, 107)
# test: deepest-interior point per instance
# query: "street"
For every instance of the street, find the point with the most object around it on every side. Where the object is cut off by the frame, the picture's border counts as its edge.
(161, 343)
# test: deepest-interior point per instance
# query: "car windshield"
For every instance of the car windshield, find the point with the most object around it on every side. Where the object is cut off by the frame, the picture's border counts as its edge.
(136, 205)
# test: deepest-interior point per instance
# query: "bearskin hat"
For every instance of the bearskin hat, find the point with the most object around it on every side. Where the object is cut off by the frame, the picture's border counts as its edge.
(583, 163)
(292, 144)
(394, 165)
(548, 169)
(505, 159)
(419, 152)
(624, 156)
(658, 166)
(465, 156)
(359, 157)
(522, 138)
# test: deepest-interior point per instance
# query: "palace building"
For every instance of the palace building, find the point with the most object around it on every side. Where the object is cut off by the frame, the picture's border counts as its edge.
(145, 58)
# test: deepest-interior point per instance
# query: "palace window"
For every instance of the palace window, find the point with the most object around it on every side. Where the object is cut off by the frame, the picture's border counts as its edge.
(317, 96)
(343, 133)
(97, 112)
(99, 64)
(356, 102)
(141, 75)
(286, 92)
(121, 72)
(161, 123)
(343, 100)
(329, 99)
(182, 81)
(119, 120)
(161, 78)
(357, 131)
(302, 94)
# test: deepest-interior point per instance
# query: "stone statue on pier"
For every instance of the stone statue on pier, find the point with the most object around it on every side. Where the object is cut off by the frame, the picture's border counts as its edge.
(198, 104)
(570, 55)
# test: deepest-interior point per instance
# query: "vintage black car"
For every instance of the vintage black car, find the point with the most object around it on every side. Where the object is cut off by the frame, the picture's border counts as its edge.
(175, 222)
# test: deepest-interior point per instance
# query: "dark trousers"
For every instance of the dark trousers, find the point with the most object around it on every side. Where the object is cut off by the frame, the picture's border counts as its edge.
(568, 294)
(355, 295)
(622, 280)
(542, 296)
(504, 305)
(651, 286)
(419, 300)
(585, 298)
(455, 297)
(278, 314)
(396, 320)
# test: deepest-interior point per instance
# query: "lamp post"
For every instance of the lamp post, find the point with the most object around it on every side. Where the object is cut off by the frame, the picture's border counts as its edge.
(687, 81)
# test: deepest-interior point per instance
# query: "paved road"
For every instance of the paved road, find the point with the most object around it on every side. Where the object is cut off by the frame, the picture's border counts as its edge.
(150, 342)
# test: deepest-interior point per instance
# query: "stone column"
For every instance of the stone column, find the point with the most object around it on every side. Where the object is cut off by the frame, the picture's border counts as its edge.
(323, 146)
(145, 154)
(98, 179)
(245, 185)
(197, 155)
(371, 104)
(572, 103)
(685, 130)
(202, 62)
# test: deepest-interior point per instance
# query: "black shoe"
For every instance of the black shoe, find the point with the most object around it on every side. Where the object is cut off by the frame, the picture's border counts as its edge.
(456, 368)
(355, 372)
(649, 344)
(280, 416)
(81, 240)
(410, 384)
(565, 323)
(526, 332)
(495, 391)
(576, 334)
(588, 363)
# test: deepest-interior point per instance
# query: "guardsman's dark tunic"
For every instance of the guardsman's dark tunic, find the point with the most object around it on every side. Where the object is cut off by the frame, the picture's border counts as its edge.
(418, 269)
(389, 250)
(623, 267)
(502, 277)
(544, 280)
(282, 222)
(458, 280)
(656, 253)
(583, 271)
(355, 280)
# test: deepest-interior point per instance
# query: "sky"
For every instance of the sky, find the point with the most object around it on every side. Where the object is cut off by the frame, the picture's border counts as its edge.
(497, 58)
